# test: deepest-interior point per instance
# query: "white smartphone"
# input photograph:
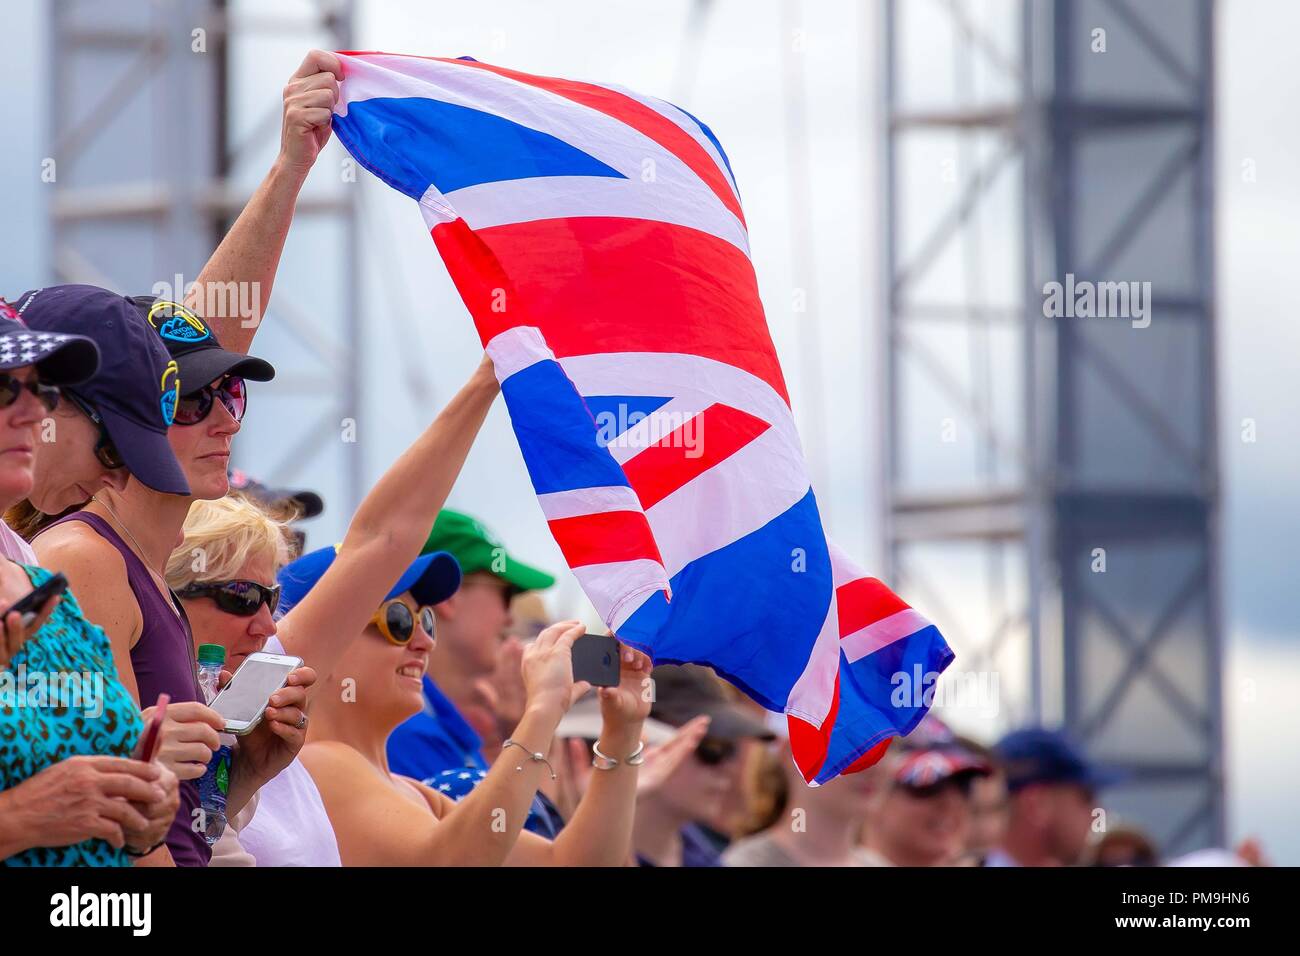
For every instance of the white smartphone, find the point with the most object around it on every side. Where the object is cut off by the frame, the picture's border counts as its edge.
(243, 701)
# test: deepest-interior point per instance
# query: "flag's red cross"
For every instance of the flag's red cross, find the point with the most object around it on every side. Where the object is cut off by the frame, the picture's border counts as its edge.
(715, 435)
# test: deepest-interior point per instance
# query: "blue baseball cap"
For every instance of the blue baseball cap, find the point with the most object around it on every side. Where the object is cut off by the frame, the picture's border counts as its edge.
(431, 578)
(137, 386)
(1038, 755)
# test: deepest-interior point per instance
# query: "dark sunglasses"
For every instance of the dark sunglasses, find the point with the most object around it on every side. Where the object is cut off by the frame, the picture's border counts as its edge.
(11, 389)
(105, 450)
(963, 783)
(242, 598)
(396, 622)
(230, 391)
(713, 752)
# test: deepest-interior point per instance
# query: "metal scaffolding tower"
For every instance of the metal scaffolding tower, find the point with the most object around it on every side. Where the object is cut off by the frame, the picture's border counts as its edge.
(1059, 474)
(153, 159)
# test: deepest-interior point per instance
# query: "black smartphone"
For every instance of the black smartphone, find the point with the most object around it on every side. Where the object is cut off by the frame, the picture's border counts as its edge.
(30, 604)
(595, 660)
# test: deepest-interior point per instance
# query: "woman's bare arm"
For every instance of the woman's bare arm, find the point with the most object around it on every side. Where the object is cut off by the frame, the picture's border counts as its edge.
(388, 531)
(233, 289)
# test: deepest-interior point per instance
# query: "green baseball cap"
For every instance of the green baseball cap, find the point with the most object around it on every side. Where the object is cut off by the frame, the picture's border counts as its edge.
(478, 549)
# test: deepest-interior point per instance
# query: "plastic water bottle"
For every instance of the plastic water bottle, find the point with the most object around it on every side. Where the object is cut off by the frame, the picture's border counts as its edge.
(215, 782)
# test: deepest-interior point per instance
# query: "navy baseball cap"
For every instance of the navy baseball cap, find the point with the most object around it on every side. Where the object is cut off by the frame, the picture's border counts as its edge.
(308, 504)
(137, 386)
(1037, 755)
(60, 359)
(431, 578)
(194, 346)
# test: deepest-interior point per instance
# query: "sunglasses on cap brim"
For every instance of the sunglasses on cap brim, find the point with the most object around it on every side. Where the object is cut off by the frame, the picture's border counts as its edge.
(396, 622)
(241, 598)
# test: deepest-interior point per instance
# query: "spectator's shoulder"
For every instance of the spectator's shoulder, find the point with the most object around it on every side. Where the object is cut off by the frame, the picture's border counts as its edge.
(340, 772)
(76, 549)
(97, 577)
(329, 758)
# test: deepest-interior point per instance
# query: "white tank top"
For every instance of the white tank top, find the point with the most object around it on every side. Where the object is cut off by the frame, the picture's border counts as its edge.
(290, 826)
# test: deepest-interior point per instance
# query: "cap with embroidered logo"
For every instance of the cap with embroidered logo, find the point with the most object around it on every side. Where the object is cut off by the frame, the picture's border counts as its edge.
(137, 385)
(195, 348)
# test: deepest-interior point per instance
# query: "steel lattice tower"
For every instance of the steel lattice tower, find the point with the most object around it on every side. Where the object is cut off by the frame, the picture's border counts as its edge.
(1051, 484)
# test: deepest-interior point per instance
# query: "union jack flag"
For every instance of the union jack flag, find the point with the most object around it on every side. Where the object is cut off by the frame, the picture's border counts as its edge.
(597, 238)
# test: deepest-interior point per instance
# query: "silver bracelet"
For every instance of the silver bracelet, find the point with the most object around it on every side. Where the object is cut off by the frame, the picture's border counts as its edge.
(537, 757)
(604, 762)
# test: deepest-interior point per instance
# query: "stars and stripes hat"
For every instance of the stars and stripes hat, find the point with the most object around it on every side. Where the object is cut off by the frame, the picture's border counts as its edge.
(923, 769)
(135, 391)
(60, 358)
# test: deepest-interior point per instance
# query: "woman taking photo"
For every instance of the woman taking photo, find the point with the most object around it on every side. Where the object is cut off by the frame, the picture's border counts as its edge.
(383, 819)
(330, 596)
(232, 599)
(69, 793)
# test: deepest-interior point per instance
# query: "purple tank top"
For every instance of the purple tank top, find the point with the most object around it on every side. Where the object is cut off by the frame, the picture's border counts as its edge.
(163, 661)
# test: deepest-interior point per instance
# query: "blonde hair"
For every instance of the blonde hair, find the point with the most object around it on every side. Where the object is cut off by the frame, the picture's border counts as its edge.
(222, 536)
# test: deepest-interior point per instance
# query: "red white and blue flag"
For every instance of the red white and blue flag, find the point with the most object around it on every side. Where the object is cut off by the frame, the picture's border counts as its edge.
(597, 238)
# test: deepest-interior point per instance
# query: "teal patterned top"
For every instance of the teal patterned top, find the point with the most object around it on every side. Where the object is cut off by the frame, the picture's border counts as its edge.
(60, 697)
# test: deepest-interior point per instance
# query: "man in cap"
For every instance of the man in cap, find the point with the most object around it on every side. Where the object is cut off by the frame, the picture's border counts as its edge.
(1052, 789)
(924, 818)
(471, 625)
(668, 830)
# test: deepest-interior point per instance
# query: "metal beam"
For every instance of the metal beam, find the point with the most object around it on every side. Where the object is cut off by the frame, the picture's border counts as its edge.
(1030, 478)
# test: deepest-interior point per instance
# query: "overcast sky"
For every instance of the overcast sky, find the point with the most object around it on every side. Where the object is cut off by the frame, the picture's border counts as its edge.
(732, 79)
